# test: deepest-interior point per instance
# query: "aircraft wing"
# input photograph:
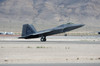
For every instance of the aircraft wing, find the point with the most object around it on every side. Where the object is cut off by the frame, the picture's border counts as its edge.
(38, 34)
(49, 32)
(45, 32)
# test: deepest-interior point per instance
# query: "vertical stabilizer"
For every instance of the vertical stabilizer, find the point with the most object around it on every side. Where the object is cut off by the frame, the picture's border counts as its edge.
(28, 29)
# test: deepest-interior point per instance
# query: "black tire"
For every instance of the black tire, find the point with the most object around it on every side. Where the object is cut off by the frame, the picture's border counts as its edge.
(43, 39)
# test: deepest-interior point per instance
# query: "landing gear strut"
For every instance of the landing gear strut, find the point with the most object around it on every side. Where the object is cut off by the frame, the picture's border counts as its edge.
(43, 38)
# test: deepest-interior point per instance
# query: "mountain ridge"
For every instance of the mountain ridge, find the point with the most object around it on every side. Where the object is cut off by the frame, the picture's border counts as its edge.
(49, 13)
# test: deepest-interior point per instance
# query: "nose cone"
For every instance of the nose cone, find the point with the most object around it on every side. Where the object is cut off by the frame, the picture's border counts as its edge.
(72, 27)
(80, 25)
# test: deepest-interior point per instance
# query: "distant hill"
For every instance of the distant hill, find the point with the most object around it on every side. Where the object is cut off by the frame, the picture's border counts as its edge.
(49, 13)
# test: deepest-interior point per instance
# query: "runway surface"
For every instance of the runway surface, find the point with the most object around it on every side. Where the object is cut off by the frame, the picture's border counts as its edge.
(57, 49)
(56, 64)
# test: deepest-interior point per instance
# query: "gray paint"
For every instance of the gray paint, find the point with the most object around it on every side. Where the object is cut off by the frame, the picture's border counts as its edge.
(30, 32)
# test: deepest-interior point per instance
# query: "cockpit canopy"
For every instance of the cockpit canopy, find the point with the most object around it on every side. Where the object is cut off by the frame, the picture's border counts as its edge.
(65, 24)
(70, 23)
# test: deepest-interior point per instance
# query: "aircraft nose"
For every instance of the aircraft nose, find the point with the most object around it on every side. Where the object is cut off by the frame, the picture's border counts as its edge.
(81, 25)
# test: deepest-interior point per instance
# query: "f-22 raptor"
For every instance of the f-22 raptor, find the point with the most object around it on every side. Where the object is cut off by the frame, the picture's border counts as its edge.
(29, 31)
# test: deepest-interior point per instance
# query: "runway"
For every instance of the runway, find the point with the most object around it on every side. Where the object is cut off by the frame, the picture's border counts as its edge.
(56, 64)
(52, 40)
(55, 50)
(49, 42)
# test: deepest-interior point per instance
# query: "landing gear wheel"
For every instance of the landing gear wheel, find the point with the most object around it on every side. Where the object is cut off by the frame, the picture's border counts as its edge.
(43, 38)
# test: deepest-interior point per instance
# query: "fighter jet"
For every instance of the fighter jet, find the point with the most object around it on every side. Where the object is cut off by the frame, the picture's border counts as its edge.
(29, 31)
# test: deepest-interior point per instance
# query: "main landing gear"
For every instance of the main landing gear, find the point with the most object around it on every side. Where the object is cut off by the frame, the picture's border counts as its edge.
(43, 38)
